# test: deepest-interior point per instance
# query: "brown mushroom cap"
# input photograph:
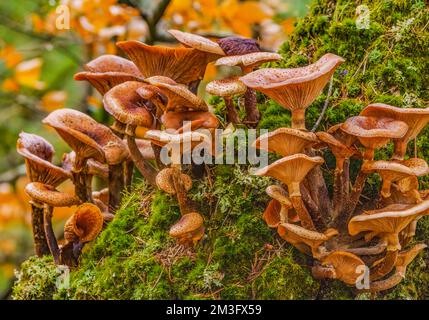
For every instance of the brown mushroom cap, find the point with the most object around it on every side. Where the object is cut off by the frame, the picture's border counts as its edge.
(183, 65)
(87, 137)
(43, 193)
(388, 222)
(340, 135)
(294, 88)
(415, 118)
(93, 167)
(345, 265)
(38, 155)
(271, 214)
(179, 97)
(291, 170)
(164, 180)
(279, 194)
(374, 132)
(188, 223)
(112, 63)
(102, 195)
(126, 105)
(103, 82)
(248, 61)
(84, 225)
(236, 45)
(197, 42)
(285, 141)
(227, 88)
(407, 256)
(145, 148)
(198, 119)
(340, 150)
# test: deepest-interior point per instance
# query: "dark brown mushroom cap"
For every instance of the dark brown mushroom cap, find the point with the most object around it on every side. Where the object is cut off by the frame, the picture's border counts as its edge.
(415, 118)
(164, 181)
(87, 137)
(43, 193)
(38, 155)
(84, 225)
(238, 45)
(345, 265)
(294, 88)
(248, 62)
(179, 97)
(198, 119)
(112, 63)
(197, 42)
(188, 223)
(127, 106)
(285, 141)
(227, 88)
(183, 65)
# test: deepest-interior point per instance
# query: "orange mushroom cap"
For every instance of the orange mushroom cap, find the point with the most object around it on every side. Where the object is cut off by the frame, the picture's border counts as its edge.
(197, 42)
(164, 180)
(112, 63)
(84, 225)
(345, 265)
(198, 119)
(38, 155)
(340, 150)
(187, 226)
(227, 88)
(43, 193)
(247, 62)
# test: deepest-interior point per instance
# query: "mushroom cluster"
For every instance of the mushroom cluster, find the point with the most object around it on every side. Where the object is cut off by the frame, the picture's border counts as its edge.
(346, 239)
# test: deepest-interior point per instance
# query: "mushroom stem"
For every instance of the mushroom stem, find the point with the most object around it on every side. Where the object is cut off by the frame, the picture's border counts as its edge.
(145, 169)
(50, 235)
(385, 266)
(252, 112)
(193, 86)
(82, 183)
(157, 152)
(400, 149)
(128, 174)
(181, 193)
(298, 119)
(385, 188)
(368, 251)
(345, 189)
(302, 212)
(231, 115)
(321, 272)
(389, 283)
(338, 194)
(308, 201)
(37, 222)
(116, 185)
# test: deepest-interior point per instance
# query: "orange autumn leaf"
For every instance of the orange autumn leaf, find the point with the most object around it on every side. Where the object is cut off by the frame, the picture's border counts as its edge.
(288, 25)
(27, 73)
(10, 206)
(53, 100)
(10, 56)
(10, 85)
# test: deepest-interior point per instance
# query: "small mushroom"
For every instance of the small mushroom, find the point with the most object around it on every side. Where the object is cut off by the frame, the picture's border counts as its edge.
(200, 43)
(345, 266)
(38, 154)
(294, 89)
(415, 118)
(164, 181)
(285, 141)
(50, 198)
(297, 235)
(227, 89)
(291, 170)
(234, 45)
(278, 208)
(197, 120)
(189, 229)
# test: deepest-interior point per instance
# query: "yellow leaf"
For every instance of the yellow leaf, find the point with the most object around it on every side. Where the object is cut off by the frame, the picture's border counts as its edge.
(10, 85)
(53, 100)
(10, 56)
(27, 73)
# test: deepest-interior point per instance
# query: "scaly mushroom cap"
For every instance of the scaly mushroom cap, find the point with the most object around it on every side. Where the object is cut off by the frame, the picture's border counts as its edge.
(294, 88)
(280, 199)
(388, 222)
(87, 137)
(238, 45)
(197, 42)
(346, 266)
(291, 170)
(103, 82)
(43, 193)
(285, 141)
(295, 234)
(374, 132)
(279, 194)
(396, 171)
(164, 180)
(38, 155)
(340, 150)
(183, 65)
(249, 61)
(112, 63)
(340, 135)
(407, 256)
(188, 223)
(179, 97)
(415, 118)
(84, 225)
(198, 119)
(126, 105)
(227, 88)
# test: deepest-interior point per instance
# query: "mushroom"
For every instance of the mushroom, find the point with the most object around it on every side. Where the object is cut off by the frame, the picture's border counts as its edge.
(415, 118)
(285, 141)
(38, 154)
(394, 171)
(164, 180)
(297, 235)
(183, 65)
(90, 140)
(277, 210)
(291, 170)
(344, 266)
(48, 197)
(82, 227)
(387, 223)
(108, 71)
(234, 45)
(189, 229)
(227, 89)
(294, 89)
(248, 62)
(197, 120)
(404, 259)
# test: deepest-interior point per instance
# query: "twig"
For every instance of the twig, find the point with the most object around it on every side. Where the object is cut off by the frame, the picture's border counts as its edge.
(325, 106)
